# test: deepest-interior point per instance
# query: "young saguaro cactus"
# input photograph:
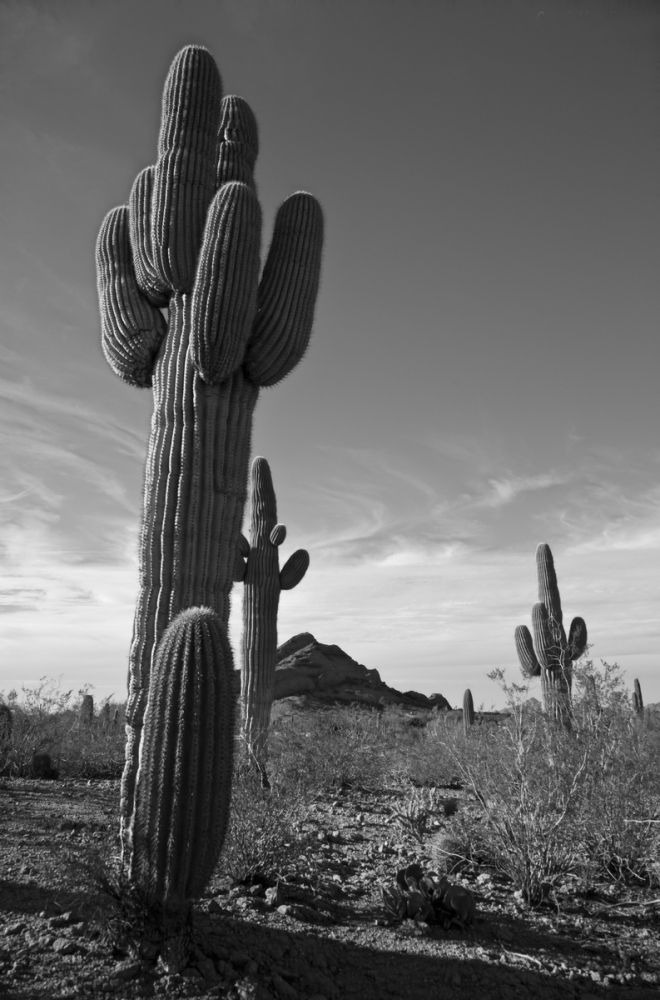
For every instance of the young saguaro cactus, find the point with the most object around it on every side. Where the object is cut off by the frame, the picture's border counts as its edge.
(257, 566)
(550, 655)
(468, 711)
(183, 786)
(189, 240)
(638, 701)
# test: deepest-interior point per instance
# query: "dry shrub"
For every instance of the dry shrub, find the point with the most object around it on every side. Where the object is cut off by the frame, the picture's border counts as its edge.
(265, 825)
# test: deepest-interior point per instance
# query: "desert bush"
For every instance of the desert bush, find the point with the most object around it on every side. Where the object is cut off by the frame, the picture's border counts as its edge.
(46, 722)
(265, 825)
(620, 816)
(331, 748)
(558, 801)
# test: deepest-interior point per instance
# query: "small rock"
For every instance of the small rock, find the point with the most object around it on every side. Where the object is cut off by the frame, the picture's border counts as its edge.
(16, 928)
(125, 971)
(239, 959)
(51, 908)
(256, 890)
(64, 946)
(247, 988)
(283, 988)
(65, 919)
(275, 896)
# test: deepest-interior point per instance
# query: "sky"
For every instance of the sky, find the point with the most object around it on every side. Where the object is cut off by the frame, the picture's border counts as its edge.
(482, 374)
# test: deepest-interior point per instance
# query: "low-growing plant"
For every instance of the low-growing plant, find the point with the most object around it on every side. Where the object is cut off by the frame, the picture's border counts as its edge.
(265, 823)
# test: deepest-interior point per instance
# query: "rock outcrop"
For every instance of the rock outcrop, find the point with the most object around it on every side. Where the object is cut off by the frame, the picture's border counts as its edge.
(311, 674)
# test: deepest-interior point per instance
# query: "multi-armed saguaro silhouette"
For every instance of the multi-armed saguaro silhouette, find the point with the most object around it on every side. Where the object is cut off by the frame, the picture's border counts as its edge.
(551, 655)
(257, 565)
(189, 240)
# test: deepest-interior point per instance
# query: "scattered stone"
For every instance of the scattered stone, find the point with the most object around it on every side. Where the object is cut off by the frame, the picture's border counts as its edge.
(17, 928)
(125, 971)
(284, 989)
(64, 946)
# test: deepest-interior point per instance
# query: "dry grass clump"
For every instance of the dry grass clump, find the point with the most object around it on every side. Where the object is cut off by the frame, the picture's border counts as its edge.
(265, 826)
(558, 802)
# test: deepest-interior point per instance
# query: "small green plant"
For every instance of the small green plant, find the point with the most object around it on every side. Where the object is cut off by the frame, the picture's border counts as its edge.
(424, 897)
(418, 811)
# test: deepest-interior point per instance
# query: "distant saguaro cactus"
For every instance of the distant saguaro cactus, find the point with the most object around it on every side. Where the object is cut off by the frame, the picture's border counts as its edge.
(551, 655)
(86, 714)
(638, 701)
(468, 711)
(189, 240)
(183, 787)
(257, 566)
(104, 715)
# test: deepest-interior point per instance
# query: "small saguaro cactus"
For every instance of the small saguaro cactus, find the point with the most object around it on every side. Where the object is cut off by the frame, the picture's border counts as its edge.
(183, 786)
(257, 566)
(638, 701)
(86, 715)
(550, 655)
(468, 711)
(189, 240)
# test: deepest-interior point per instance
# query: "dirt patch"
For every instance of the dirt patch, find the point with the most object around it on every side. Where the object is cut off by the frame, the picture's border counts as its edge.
(323, 936)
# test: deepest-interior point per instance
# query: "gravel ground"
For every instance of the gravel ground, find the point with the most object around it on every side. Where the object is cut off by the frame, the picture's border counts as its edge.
(322, 935)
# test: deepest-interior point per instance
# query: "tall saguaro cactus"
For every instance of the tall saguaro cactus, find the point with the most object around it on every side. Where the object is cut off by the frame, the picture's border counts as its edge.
(550, 655)
(183, 786)
(257, 565)
(189, 240)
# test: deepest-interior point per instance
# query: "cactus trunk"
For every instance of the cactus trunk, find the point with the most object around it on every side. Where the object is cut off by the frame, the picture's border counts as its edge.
(258, 567)
(183, 785)
(468, 711)
(190, 239)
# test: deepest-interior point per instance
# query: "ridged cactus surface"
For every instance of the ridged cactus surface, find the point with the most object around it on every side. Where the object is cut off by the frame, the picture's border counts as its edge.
(638, 701)
(183, 786)
(550, 654)
(257, 566)
(189, 240)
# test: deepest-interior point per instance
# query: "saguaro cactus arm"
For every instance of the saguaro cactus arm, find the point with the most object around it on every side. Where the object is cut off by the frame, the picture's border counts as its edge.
(225, 291)
(529, 664)
(294, 569)
(132, 329)
(287, 292)
(577, 638)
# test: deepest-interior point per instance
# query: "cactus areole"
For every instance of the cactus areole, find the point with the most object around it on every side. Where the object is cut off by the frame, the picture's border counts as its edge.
(189, 240)
(550, 655)
(257, 565)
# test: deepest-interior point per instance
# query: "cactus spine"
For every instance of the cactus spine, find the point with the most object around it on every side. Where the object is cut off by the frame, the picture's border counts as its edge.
(189, 240)
(257, 565)
(183, 785)
(550, 655)
(468, 711)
